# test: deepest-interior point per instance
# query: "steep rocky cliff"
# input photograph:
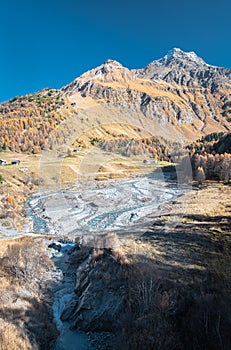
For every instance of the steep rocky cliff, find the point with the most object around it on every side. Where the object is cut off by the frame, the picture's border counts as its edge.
(100, 291)
(179, 90)
(179, 97)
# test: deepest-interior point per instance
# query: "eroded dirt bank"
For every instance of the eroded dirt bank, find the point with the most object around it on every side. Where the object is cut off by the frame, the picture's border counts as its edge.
(169, 289)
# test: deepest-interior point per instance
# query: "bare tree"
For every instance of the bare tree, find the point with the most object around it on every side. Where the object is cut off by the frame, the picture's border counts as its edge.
(200, 175)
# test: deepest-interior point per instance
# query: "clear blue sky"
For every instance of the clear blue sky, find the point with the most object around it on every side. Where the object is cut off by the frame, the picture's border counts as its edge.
(48, 43)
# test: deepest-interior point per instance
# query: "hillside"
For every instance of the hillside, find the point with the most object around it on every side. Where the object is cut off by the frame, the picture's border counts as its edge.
(211, 157)
(115, 251)
(178, 97)
(212, 143)
(131, 115)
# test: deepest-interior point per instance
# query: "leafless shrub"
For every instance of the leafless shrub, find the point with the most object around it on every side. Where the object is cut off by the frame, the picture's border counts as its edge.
(25, 261)
(146, 324)
(13, 338)
(163, 313)
(29, 324)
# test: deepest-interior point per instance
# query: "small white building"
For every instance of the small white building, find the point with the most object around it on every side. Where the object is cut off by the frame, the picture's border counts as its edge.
(3, 162)
(15, 162)
(150, 161)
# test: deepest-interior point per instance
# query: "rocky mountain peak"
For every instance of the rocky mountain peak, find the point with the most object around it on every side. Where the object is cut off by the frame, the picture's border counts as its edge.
(108, 72)
(177, 95)
(113, 63)
(186, 69)
(182, 71)
(178, 54)
(110, 67)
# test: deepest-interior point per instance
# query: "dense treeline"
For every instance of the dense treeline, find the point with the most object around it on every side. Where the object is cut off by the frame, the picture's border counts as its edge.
(209, 166)
(211, 143)
(211, 157)
(227, 110)
(151, 147)
(27, 122)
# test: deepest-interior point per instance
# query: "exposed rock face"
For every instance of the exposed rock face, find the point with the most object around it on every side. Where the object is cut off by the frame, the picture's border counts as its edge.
(178, 97)
(179, 88)
(168, 282)
(100, 292)
(186, 69)
(109, 71)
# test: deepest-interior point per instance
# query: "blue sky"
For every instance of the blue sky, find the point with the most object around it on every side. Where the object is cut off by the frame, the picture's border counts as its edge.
(48, 43)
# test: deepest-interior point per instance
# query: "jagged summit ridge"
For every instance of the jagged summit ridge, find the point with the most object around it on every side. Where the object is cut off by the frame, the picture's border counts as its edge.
(108, 67)
(111, 62)
(186, 69)
(179, 54)
(177, 89)
(173, 97)
(109, 71)
(177, 66)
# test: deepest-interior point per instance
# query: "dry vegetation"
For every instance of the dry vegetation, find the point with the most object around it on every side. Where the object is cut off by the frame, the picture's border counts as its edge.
(17, 185)
(179, 283)
(26, 320)
(211, 157)
(28, 121)
(34, 172)
(173, 282)
(152, 147)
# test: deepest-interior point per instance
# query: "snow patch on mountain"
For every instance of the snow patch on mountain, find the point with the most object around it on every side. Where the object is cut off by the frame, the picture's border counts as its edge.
(177, 53)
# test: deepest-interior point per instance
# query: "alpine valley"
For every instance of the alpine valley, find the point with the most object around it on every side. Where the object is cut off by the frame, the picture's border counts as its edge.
(115, 210)
(178, 97)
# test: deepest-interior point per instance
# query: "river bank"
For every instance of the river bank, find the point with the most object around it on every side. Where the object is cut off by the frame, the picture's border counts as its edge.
(63, 292)
(89, 207)
(36, 174)
(182, 245)
(174, 279)
(100, 207)
(87, 215)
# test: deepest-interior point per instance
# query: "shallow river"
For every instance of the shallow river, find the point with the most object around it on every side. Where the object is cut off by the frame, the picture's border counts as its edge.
(87, 211)
(98, 207)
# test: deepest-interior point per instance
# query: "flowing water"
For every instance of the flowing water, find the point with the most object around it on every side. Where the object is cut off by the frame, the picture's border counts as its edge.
(86, 210)
(99, 208)
(68, 339)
